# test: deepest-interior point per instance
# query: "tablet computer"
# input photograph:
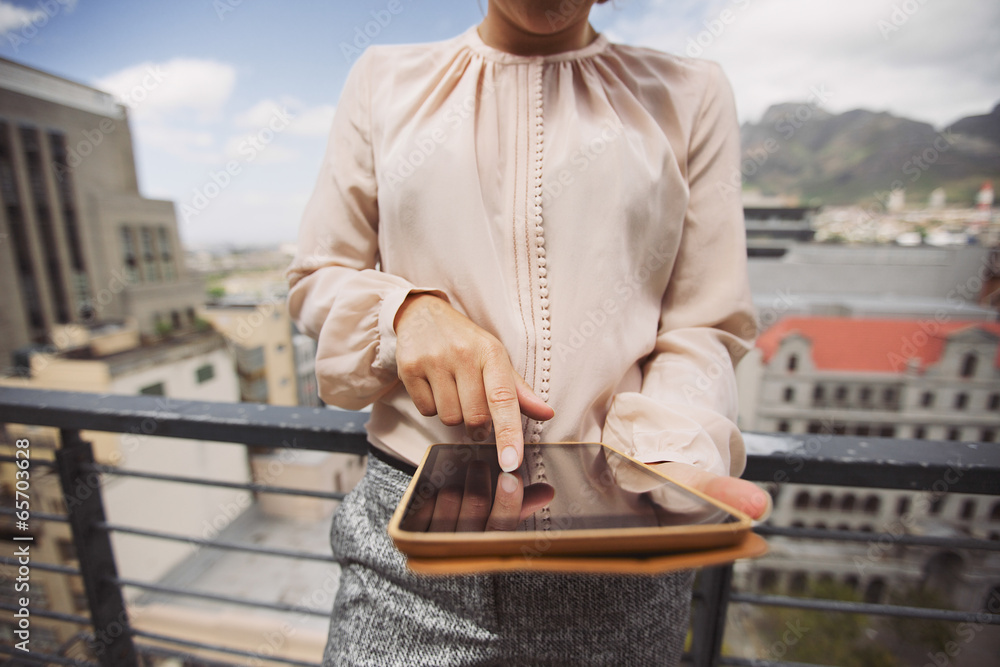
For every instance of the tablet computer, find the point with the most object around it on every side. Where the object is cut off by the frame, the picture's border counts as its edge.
(579, 499)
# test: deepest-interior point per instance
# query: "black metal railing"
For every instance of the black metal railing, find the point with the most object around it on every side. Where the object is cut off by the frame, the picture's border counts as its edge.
(110, 639)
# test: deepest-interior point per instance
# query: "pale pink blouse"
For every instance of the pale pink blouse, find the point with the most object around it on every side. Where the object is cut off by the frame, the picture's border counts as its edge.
(579, 206)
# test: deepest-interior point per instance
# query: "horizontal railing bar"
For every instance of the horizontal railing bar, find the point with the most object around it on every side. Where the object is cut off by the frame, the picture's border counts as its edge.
(45, 567)
(867, 608)
(46, 613)
(885, 463)
(253, 424)
(41, 516)
(861, 536)
(246, 486)
(149, 649)
(221, 649)
(216, 597)
(46, 658)
(732, 661)
(965, 467)
(299, 555)
(34, 462)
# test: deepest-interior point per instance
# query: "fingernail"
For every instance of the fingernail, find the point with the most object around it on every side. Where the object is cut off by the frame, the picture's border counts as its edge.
(508, 482)
(769, 507)
(508, 459)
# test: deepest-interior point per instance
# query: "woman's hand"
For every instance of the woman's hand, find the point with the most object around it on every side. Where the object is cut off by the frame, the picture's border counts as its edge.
(476, 506)
(455, 369)
(738, 493)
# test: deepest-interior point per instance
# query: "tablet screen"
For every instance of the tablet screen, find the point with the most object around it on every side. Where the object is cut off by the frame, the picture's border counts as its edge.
(570, 486)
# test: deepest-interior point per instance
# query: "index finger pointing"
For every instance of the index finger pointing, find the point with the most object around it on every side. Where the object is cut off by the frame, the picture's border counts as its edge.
(505, 411)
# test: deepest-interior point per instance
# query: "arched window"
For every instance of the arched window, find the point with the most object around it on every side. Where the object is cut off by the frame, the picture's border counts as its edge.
(961, 401)
(789, 394)
(798, 583)
(969, 365)
(793, 363)
(847, 504)
(802, 500)
(903, 505)
(825, 501)
(872, 505)
(783, 426)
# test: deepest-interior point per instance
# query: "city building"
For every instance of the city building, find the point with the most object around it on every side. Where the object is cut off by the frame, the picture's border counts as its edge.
(84, 245)
(112, 359)
(923, 379)
(260, 332)
(773, 228)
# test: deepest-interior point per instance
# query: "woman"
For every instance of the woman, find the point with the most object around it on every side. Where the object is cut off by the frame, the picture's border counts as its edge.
(524, 230)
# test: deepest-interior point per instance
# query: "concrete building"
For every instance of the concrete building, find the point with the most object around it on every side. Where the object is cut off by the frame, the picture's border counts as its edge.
(260, 333)
(923, 379)
(84, 245)
(193, 365)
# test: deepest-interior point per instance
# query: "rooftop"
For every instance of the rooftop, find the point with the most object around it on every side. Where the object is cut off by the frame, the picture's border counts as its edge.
(833, 339)
(25, 80)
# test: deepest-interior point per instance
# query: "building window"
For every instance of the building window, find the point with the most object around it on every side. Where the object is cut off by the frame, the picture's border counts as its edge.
(937, 504)
(903, 506)
(815, 427)
(841, 394)
(993, 403)
(968, 509)
(153, 390)
(927, 400)
(995, 512)
(789, 394)
(988, 435)
(961, 401)
(887, 431)
(793, 363)
(920, 432)
(954, 433)
(67, 552)
(862, 429)
(889, 397)
(802, 500)
(872, 505)
(825, 501)
(969, 365)
(205, 373)
(866, 395)
(847, 504)
(818, 393)
(783, 426)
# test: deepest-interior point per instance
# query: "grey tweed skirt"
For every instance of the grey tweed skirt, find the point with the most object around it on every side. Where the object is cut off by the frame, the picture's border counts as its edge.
(386, 615)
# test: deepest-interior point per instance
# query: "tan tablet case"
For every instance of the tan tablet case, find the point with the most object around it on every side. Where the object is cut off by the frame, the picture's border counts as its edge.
(752, 546)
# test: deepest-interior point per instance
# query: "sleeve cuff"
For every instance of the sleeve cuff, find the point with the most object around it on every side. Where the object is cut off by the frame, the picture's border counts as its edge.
(385, 358)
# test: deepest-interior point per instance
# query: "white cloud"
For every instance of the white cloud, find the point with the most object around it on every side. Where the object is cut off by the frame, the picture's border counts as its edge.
(179, 85)
(305, 121)
(936, 64)
(14, 18)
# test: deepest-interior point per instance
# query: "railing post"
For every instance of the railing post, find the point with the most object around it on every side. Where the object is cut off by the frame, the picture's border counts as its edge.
(85, 508)
(709, 623)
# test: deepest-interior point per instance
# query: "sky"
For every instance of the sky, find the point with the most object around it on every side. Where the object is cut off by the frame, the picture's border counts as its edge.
(205, 80)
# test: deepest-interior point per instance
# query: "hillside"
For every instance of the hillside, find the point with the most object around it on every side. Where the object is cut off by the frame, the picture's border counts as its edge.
(797, 149)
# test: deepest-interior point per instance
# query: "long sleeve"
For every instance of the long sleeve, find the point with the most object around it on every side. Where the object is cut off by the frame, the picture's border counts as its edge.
(337, 295)
(686, 408)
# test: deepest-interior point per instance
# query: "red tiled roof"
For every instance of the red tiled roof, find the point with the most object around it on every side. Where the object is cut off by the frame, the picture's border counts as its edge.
(880, 346)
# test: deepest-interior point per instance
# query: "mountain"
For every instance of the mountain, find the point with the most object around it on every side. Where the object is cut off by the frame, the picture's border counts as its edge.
(856, 156)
